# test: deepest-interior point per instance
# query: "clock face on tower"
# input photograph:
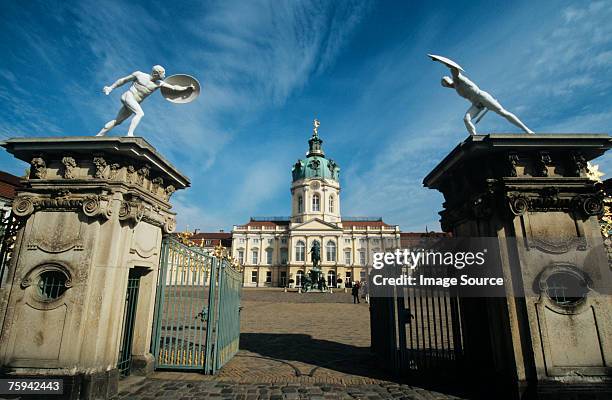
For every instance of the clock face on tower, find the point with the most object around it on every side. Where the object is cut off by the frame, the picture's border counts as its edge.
(315, 185)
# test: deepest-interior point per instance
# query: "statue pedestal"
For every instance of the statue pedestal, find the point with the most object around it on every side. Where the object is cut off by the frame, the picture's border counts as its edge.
(551, 336)
(78, 296)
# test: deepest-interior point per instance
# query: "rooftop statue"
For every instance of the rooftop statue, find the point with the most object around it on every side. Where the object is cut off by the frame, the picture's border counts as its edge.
(481, 100)
(142, 86)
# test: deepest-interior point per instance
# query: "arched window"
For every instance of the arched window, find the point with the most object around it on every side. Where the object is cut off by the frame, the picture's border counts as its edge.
(300, 205)
(299, 251)
(331, 204)
(316, 202)
(269, 253)
(298, 278)
(331, 278)
(331, 251)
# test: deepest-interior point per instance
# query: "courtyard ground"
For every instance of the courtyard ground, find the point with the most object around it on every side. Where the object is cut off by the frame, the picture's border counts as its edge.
(292, 346)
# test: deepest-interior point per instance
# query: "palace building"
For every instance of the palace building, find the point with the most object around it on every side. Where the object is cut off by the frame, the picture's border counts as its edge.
(275, 251)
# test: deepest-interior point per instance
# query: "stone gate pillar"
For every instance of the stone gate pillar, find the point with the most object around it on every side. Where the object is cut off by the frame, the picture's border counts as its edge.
(551, 335)
(93, 211)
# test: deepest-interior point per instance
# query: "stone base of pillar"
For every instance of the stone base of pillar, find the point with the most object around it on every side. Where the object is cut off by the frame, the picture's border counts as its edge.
(143, 365)
(570, 392)
(93, 212)
(82, 386)
(535, 194)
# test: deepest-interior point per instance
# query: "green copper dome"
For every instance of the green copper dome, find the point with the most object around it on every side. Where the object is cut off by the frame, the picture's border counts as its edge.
(315, 165)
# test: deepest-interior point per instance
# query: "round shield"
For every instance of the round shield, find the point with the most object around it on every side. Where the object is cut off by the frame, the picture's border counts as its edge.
(446, 61)
(181, 96)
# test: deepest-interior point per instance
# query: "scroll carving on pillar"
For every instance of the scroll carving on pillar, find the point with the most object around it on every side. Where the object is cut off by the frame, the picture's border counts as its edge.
(132, 211)
(552, 200)
(92, 206)
(169, 225)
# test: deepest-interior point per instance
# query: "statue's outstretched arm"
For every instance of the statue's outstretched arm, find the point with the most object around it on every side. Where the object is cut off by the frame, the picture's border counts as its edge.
(119, 82)
(177, 88)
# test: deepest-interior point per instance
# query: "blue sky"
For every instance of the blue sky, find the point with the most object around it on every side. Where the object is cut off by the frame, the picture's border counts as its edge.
(269, 68)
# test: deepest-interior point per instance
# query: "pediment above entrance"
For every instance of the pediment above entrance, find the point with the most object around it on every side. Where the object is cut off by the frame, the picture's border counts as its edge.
(316, 225)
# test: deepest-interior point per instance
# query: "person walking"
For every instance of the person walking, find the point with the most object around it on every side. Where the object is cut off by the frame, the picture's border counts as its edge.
(355, 293)
(366, 292)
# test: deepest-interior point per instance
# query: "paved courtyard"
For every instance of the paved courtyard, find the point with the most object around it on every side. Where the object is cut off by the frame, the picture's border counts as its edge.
(292, 346)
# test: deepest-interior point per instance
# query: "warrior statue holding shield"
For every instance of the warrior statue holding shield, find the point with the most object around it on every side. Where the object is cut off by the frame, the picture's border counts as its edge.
(142, 86)
(481, 100)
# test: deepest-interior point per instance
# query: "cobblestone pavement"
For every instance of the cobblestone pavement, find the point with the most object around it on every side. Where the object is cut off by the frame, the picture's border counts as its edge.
(292, 346)
(187, 390)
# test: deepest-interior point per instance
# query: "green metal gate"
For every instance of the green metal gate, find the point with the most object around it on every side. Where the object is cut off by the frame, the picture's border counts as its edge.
(197, 320)
(228, 322)
(129, 316)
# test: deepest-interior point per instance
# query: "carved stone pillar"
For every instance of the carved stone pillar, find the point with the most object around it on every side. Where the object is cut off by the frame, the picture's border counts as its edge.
(532, 194)
(93, 212)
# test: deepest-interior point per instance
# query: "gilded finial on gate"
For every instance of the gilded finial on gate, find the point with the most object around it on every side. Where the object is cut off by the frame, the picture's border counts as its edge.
(219, 251)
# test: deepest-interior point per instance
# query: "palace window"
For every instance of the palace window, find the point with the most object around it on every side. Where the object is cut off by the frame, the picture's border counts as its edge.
(253, 276)
(284, 241)
(299, 251)
(316, 202)
(299, 276)
(241, 256)
(208, 242)
(255, 241)
(270, 241)
(268, 276)
(347, 241)
(254, 256)
(331, 204)
(241, 240)
(362, 257)
(300, 204)
(269, 256)
(283, 256)
(347, 257)
(331, 251)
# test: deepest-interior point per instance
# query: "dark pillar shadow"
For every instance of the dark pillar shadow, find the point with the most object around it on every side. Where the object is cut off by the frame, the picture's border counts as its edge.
(319, 353)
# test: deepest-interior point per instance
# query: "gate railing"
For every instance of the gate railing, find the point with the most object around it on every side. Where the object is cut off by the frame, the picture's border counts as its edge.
(129, 316)
(197, 323)
(9, 226)
(417, 332)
